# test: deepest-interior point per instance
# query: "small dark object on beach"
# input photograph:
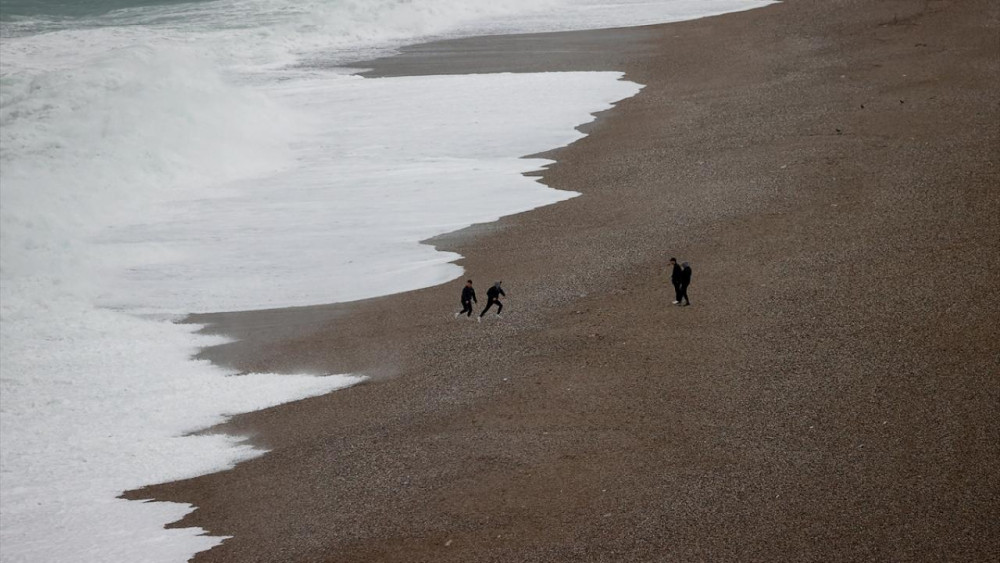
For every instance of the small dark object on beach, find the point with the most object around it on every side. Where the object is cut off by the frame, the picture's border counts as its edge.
(493, 297)
(682, 293)
(468, 298)
(675, 279)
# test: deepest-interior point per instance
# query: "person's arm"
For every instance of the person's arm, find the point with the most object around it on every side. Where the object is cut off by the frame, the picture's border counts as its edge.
(500, 289)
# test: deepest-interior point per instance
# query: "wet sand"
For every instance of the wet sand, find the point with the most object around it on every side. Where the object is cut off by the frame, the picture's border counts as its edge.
(831, 169)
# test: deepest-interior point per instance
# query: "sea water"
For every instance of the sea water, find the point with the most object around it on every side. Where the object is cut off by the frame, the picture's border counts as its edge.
(159, 158)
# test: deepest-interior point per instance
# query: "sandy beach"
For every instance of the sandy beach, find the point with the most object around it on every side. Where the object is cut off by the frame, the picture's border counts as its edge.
(831, 169)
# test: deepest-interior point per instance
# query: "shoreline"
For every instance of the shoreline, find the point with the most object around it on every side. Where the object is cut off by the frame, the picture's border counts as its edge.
(811, 419)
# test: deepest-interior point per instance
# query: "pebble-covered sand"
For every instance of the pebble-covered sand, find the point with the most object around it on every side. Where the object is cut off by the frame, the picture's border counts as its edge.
(830, 168)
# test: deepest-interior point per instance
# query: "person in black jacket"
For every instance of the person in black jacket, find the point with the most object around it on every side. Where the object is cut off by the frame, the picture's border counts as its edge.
(493, 296)
(675, 279)
(682, 292)
(468, 297)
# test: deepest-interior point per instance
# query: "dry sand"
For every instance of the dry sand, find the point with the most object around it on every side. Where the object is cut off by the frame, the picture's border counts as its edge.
(831, 169)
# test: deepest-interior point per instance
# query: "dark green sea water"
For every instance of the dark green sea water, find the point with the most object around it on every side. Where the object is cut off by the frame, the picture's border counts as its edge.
(10, 9)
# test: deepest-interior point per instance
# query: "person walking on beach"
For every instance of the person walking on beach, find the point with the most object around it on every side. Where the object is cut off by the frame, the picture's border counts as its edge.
(468, 298)
(493, 296)
(675, 279)
(682, 292)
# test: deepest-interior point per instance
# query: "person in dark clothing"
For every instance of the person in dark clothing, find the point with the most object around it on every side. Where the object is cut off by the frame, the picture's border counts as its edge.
(493, 296)
(675, 279)
(682, 292)
(468, 297)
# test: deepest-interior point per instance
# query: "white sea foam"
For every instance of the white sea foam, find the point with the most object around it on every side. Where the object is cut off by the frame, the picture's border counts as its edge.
(420, 157)
(168, 159)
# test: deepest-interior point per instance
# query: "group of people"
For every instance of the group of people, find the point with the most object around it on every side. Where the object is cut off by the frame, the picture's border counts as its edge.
(680, 277)
(469, 297)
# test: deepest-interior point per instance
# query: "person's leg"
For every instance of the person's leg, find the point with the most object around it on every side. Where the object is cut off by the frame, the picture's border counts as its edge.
(684, 294)
(677, 293)
(499, 308)
(466, 308)
(489, 303)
